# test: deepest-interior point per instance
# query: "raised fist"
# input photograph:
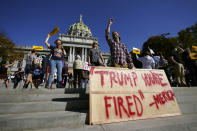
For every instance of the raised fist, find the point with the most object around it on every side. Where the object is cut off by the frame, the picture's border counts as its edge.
(111, 20)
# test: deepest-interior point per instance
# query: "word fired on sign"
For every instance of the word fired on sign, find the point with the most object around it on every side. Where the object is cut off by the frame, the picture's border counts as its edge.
(119, 94)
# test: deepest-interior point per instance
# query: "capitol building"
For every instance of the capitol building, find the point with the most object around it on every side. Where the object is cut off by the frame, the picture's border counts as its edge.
(77, 41)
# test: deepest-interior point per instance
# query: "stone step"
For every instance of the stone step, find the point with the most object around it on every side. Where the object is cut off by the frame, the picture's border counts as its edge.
(186, 99)
(42, 91)
(59, 104)
(11, 98)
(188, 108)
(178, 123)
(14, 122)
(185, 91)
(76, 90)
(21, 84)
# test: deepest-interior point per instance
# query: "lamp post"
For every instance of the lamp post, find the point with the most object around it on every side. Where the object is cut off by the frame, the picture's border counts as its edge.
(164, 34)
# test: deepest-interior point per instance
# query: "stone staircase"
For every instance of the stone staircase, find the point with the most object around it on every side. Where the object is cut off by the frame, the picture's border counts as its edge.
(187, 99)
(22, 109)
(60, 110)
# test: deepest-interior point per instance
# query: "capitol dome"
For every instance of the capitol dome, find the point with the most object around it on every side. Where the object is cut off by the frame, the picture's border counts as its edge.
(79, 29)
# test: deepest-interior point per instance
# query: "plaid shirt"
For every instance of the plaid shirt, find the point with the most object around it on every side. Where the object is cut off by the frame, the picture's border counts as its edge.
(119, 52)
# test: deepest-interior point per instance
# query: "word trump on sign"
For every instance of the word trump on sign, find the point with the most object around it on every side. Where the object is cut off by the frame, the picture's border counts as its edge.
(119, 94)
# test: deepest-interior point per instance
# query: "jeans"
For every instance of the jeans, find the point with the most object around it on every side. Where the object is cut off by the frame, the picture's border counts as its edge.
(58, 64)
(84, 83)
(77, 78)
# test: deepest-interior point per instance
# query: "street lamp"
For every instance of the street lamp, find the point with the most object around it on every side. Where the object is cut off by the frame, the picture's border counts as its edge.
(164, 34)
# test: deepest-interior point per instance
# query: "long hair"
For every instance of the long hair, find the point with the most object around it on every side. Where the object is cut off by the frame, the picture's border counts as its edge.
(58, 40)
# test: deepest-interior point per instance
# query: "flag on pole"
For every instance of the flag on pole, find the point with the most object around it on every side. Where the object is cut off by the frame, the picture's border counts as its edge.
(54, 31)
(136, 50)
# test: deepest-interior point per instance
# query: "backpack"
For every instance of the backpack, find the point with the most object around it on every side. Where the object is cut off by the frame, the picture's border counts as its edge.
(37, 72)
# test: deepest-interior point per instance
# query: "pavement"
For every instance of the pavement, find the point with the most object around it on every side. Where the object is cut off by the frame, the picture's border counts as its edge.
(176, 123)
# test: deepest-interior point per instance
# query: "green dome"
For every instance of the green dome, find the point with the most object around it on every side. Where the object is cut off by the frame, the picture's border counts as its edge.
(79, 29)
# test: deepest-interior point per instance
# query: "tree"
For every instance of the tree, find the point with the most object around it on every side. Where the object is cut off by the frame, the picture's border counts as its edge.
(160, 44)
(194, 31)
(188, 37)
(7, 52)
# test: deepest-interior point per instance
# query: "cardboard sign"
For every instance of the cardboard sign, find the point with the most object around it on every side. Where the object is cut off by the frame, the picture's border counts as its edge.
(85, 66)
(194, 48)
(38, 48)
(193, 55)
(54, 31)
(136, 51)
(121, 94)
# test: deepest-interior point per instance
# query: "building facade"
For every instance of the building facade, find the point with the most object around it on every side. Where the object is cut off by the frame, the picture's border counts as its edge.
(77, 41)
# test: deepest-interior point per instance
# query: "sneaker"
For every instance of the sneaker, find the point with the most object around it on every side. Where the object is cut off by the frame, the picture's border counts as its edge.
(25, 86)
(49, 87)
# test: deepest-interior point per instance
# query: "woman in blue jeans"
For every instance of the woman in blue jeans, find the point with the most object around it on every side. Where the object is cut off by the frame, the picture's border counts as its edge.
(56, 61)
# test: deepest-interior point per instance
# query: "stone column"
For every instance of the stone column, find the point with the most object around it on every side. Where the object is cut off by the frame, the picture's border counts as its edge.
(73, 54)
(86, 56)
(83, 54)
(70, 55)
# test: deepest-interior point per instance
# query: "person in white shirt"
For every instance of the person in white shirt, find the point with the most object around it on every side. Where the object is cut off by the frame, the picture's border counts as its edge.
(147, 61)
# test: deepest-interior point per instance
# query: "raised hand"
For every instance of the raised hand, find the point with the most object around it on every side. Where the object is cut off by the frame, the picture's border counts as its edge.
(111, 20)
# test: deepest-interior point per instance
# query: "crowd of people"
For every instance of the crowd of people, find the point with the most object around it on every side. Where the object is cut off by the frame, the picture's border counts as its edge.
(180, 69)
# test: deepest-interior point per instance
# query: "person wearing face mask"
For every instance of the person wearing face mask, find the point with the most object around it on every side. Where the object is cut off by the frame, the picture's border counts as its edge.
(119, 53)
(178, 67)
(56, 61)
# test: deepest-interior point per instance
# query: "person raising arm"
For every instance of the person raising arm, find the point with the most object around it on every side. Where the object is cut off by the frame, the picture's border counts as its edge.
(56, 61)
(119, 53)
